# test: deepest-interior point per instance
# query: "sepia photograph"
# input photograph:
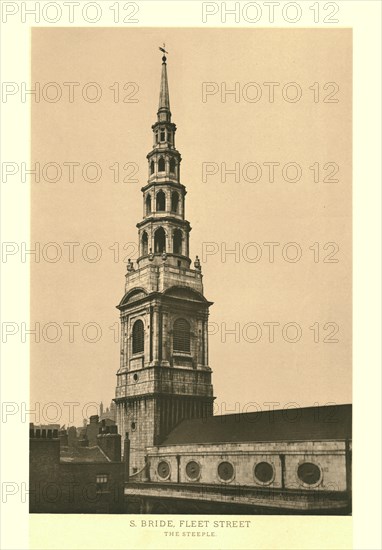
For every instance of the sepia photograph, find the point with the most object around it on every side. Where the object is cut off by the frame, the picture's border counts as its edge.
(221, 384)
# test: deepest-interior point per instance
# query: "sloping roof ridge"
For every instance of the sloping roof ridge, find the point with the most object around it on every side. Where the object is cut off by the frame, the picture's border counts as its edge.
(310, 407)
(267, 426)
(102, 451)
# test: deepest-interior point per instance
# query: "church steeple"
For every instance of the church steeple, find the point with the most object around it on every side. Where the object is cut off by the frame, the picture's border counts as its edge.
(164, 231)
(164, 375)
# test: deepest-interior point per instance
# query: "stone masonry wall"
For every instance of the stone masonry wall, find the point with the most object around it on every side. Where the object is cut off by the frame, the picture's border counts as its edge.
(329, 456)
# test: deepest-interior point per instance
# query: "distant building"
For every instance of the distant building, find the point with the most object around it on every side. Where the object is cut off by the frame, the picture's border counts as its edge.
(91, 431)
(72, 436)
(48, 426)
(76, 480)
(109, 413)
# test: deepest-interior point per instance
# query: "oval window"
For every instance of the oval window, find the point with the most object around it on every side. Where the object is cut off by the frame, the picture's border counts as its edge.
(163, 469)
(264, 472)
(225, 471)
(309, 473)
(193, 470)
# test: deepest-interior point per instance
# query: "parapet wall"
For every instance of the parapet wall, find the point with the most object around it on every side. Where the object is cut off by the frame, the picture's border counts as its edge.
(318, 465)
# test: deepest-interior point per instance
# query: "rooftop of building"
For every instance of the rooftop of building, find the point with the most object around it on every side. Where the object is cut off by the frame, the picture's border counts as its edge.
(96, 419)
(83, 454)
(293, 424)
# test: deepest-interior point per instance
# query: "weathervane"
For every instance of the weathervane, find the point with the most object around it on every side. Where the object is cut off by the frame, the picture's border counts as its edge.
(164, 51)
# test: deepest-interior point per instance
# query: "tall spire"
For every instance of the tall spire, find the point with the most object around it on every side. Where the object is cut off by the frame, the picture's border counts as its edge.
(164, 97)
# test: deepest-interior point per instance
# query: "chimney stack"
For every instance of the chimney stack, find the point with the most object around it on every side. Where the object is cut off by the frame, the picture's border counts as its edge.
(110, 442)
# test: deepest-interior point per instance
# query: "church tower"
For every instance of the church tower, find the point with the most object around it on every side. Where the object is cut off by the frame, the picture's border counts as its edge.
(164, 376)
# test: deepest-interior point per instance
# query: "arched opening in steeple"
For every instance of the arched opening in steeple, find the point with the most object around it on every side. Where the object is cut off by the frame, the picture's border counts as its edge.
(177, 241)
(148, 204)
(161, 201)
(152, 167)
(161, 165)
(145, 244)
(138, 336)
(160, 241)
(181, 336)
(172, 165)
(174, 201)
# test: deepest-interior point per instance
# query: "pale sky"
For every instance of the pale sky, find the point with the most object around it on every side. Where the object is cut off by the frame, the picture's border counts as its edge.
(113, 133)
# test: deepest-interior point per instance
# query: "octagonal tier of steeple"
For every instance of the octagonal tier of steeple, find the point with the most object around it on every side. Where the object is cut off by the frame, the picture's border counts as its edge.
(164, 231)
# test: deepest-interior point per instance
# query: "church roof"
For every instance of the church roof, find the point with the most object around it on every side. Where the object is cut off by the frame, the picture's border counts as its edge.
(300, 424)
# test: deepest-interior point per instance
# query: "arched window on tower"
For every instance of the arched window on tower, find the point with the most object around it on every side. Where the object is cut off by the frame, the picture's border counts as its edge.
(145, 244)
(177, 241)
(174, 201)
(160, 241)
(161, 201)
(181, 335)
(148, 204)
(161, 165)
(138, 336)
(152, 167)
(172, 165)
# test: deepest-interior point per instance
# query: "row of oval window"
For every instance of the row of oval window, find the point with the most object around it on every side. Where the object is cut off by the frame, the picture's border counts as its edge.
(264, 472)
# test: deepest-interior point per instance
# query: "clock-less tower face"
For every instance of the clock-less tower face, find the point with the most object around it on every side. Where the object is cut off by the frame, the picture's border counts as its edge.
(164, 375)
